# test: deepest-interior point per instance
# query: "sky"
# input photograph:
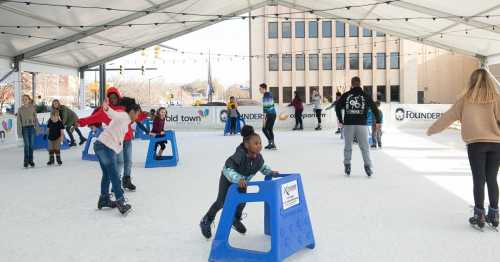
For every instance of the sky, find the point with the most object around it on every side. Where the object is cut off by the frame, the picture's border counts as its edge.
(228, 37)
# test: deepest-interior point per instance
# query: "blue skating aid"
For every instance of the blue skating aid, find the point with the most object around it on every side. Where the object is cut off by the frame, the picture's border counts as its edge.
(90, 141)
(43, 143)
(140, 134)
(286, 221)
(165, 161)
(227, 127)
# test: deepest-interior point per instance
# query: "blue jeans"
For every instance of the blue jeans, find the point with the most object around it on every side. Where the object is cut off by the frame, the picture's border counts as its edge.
(28, 139)
(125, 159)
(108, 161)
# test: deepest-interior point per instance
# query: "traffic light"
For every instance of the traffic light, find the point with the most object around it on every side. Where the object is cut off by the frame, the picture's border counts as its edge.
(143, 69)
(121, 70)
(157, 50)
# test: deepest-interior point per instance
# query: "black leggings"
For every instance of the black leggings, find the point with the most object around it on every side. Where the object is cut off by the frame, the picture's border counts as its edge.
(268, 127)
(484, 159)
(318, 115)
(233, 122)
(224, 185)
(70, 134)
(298, 118)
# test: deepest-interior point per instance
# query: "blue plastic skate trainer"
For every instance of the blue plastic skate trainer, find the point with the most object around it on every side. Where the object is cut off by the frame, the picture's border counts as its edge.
(239, 123)
(90, 141)
(140, 134)
(43, 143)
(165, 161)
(286, 221)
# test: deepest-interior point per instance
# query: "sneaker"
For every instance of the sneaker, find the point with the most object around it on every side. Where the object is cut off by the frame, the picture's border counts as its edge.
(238, 226)
(492, 217)
(479, 219)
(347, 169)
(206, 227)
(368, 171)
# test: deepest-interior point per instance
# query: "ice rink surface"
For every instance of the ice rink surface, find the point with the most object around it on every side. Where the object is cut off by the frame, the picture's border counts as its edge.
(415, 208)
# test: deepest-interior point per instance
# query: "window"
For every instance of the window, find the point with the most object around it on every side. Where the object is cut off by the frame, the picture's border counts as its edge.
(353, 31)
(313, 62)
(300, 62)
(394, 60)
(301, 91)
(380, 34)
(380, 60)
(287, 94)
(340, 61)
(276, 93)
(381, 94)
(367, 61)
(327, 29)
(311, 90)
(420, 97)
(313, 29)
(273, 29)
(287, 62)
(367, 32)
(299, 29)
(273, 62)
(327, 61)
(395, 94)
(327, 93)
(354, 61)
(368, 90)
(286, 30)
(340, 29)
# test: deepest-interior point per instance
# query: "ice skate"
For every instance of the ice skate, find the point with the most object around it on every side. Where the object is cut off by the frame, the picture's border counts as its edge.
(478, 220)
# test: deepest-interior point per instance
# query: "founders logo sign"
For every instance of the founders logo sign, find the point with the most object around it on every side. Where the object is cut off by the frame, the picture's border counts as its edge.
(416, 114)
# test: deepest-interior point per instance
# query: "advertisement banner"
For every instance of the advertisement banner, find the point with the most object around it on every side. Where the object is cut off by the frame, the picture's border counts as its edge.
(8, 131)
(416, 115)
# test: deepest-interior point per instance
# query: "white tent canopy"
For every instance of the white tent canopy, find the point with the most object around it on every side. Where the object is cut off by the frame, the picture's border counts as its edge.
(459, 25)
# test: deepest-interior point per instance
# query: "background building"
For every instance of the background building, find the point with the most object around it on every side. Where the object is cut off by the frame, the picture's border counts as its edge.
(308, 52)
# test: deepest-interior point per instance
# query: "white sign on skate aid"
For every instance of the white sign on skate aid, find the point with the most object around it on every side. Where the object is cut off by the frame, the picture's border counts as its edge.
(290, 194)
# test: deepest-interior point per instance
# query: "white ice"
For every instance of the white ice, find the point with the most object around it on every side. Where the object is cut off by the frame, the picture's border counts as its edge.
(415, 208)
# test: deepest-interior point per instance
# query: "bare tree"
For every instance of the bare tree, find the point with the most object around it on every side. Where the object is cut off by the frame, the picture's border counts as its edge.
(6, 95)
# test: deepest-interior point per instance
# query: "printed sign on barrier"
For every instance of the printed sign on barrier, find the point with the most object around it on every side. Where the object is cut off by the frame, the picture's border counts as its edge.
(290, 194)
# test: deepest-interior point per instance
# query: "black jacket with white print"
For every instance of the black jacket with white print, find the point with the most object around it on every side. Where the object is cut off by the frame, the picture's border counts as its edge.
(356, 104)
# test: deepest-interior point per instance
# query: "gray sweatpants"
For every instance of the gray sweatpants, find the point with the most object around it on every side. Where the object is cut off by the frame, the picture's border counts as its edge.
(361, 133)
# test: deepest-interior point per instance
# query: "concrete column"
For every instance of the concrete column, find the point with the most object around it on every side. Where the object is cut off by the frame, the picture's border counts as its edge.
(17, 80)
(81, 97)
(33, 86)
(102, 83)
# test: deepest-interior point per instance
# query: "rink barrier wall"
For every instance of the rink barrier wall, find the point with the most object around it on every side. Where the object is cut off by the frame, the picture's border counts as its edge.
(418, 116)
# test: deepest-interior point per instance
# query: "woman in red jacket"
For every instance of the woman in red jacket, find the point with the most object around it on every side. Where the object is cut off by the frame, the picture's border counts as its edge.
(100, 117)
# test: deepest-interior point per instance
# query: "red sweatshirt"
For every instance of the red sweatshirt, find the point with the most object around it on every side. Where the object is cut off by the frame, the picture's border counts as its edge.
(100, 116)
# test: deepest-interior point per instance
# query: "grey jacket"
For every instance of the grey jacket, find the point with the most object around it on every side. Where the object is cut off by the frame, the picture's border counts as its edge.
(26, 116)
(316, 101)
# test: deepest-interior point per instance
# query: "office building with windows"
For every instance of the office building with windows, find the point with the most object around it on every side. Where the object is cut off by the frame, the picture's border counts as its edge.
(304, 52)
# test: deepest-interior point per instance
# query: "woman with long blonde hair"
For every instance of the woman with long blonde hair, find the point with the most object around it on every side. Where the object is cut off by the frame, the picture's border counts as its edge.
(478, 111)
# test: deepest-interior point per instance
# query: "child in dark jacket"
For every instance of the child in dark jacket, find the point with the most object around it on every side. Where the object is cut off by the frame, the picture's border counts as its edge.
(158, 130)
(239, 169)
(55, 135)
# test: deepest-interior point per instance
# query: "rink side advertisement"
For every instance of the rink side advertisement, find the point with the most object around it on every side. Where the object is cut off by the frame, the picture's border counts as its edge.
(415, 115)
(290, 194)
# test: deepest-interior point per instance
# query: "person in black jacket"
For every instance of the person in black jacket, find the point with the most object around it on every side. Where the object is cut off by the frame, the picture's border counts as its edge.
(356, 104)
(239, 169)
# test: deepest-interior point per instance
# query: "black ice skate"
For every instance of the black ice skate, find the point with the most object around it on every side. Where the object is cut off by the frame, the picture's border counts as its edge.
(51, 160)
(347, 169)
(492, 218)
(318, 127)
(127, 183)
(31, 163)
(368, 171)
(58, 159)
(338, 131)
(206, 227)
(25, 165)
(105, 201)
(123, 207)
(238, 226)
(478, 220)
